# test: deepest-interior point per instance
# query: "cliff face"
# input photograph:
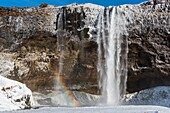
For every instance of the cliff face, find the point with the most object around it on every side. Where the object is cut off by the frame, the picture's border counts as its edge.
(149, 46)
(36, 42)
(35, 39)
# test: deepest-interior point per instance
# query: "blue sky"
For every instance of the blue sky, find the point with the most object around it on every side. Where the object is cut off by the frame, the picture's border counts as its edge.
(23, 3)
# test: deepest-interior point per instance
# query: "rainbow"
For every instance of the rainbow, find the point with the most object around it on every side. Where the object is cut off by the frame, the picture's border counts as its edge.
(68, 94)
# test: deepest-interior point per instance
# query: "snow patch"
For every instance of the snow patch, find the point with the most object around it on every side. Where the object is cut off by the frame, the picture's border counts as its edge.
(153, 96)
(14, 95)
(89, 5)
(60, 99)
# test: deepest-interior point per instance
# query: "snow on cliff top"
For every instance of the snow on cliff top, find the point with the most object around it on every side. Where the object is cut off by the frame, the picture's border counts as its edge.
(90, 5)
(75, 5)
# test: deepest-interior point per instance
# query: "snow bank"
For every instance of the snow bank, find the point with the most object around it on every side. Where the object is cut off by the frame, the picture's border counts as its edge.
(61, 99)
(153, 96)
(98, 109)
(14, 95)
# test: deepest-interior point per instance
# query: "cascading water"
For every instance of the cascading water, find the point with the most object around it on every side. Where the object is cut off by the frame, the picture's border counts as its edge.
(112, 54)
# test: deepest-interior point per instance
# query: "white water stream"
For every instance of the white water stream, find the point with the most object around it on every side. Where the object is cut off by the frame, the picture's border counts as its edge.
(112, 58)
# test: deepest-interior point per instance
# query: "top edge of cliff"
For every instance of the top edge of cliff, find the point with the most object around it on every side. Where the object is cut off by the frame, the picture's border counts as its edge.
(16, 11)
(44, 5)
(91, 5)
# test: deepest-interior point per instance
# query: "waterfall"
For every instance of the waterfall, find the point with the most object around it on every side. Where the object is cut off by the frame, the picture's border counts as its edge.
(99, 37)
(112, 54)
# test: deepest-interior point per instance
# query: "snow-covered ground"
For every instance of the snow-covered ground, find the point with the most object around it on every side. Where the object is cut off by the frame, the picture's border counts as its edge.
(115, 109)
(14, 95)
(146, 101)
(159, 96)
(153, 96)
(59, 99)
